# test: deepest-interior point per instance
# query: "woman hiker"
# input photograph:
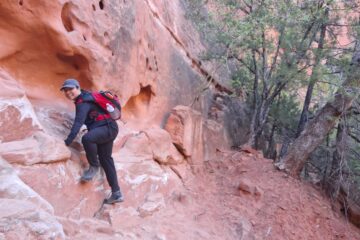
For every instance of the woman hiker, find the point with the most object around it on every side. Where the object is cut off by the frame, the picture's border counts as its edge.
(98, 141)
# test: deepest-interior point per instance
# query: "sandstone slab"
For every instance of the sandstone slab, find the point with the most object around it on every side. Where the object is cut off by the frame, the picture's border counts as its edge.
(162, 147)
(38, 148)
(22, 218)
(12, 187)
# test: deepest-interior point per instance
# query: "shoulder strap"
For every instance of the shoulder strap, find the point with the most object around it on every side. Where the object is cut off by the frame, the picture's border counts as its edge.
(85, 96)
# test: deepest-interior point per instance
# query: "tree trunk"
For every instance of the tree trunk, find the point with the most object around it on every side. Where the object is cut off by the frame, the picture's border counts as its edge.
(328, 155)
(317, 129)
(313, 78)
(256, 104)
(287, 140)
(253, 128)
(305, 112)
(258, 124)
(271, 151)
(333, 183)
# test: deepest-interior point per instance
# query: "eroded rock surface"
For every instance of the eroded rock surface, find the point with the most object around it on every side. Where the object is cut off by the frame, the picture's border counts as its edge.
(144, 51)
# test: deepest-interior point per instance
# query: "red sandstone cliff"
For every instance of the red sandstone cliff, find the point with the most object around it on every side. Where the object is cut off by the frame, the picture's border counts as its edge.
(179, 183)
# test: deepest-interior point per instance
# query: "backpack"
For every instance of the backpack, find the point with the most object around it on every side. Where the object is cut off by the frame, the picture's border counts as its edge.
(108, 102)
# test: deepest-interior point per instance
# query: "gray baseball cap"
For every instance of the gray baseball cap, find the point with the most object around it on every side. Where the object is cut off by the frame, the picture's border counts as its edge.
(70, 83)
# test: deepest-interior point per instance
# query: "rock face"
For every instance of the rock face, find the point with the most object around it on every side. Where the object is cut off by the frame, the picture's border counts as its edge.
(20, 218)
(185, 128)
(11, 187)
(162, 147)
(132, 47)
(17, 113)
(197, 138)
(145, 52)
(39, 148)
(23, 211)
(142, 50)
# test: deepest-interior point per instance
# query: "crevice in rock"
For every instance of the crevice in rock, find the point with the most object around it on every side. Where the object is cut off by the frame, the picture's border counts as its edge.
(79, 62)
(176, 173)
(101, 4)
(156, 64)
(81, 65)
(138, 105)
(147, 64)
(66, 17)
(180, 149)
(196, 64)
(21, 2)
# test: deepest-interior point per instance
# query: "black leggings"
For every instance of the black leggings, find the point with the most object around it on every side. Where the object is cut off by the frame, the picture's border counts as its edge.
(98, 142)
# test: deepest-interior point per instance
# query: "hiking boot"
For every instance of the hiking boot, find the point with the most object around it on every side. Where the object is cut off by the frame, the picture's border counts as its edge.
(89, 174)
(114, 198)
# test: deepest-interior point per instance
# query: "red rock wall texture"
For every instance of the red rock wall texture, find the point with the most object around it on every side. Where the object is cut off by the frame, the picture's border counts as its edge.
(143, 50)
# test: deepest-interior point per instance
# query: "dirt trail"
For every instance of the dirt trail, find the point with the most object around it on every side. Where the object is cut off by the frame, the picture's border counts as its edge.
(239, 196)
(277, 206)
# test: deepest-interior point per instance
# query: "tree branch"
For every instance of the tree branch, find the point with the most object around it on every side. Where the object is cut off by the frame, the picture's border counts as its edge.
(243, 62)
(354, 137)
(277, 51)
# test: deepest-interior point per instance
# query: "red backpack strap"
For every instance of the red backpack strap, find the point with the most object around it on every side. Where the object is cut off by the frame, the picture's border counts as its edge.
(79, 100)
(91, 97)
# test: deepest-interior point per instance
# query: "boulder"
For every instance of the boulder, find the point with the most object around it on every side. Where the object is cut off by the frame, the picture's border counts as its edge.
(134, 148)
(18, 119)
(185, 127)
(12, 187)
(58, 183)
(196, 138)
(23, 212)
(164, 151)
(215, 140)
(19, 218)
(38, 148)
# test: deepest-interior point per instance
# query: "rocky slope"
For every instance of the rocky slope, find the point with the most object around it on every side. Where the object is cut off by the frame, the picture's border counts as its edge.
(179, 179)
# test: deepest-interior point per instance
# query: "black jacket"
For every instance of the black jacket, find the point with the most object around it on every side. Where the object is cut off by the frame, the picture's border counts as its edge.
(86, 112)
